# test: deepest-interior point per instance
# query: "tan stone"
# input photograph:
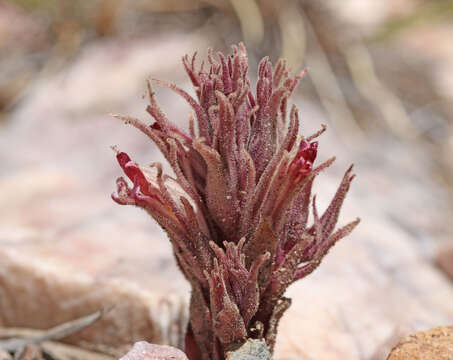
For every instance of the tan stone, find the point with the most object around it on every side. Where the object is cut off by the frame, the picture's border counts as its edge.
(434, 344)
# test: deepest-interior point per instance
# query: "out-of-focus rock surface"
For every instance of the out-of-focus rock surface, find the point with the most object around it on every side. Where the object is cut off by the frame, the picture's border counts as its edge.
(434, 344)
(42, 294)
(67, 249)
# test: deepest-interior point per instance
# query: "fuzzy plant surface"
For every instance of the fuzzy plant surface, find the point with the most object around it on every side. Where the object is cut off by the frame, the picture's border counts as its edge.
(236, 210)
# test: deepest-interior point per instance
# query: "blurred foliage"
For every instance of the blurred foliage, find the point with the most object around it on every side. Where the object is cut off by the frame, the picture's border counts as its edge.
(429, 12)
(35, 4)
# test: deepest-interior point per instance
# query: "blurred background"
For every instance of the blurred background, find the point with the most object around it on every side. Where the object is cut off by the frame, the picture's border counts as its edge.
(380, 68)
(380, 75)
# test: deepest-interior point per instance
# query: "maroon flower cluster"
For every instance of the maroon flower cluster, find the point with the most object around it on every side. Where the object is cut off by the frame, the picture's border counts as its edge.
(237, 210)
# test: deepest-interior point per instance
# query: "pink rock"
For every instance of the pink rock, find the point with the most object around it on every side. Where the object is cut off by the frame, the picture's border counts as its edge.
(143, 350)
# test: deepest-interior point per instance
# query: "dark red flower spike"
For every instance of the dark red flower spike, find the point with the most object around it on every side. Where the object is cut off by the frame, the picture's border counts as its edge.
(237, 210)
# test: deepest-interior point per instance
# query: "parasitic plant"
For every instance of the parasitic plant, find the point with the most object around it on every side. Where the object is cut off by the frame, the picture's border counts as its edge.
(237, 210)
